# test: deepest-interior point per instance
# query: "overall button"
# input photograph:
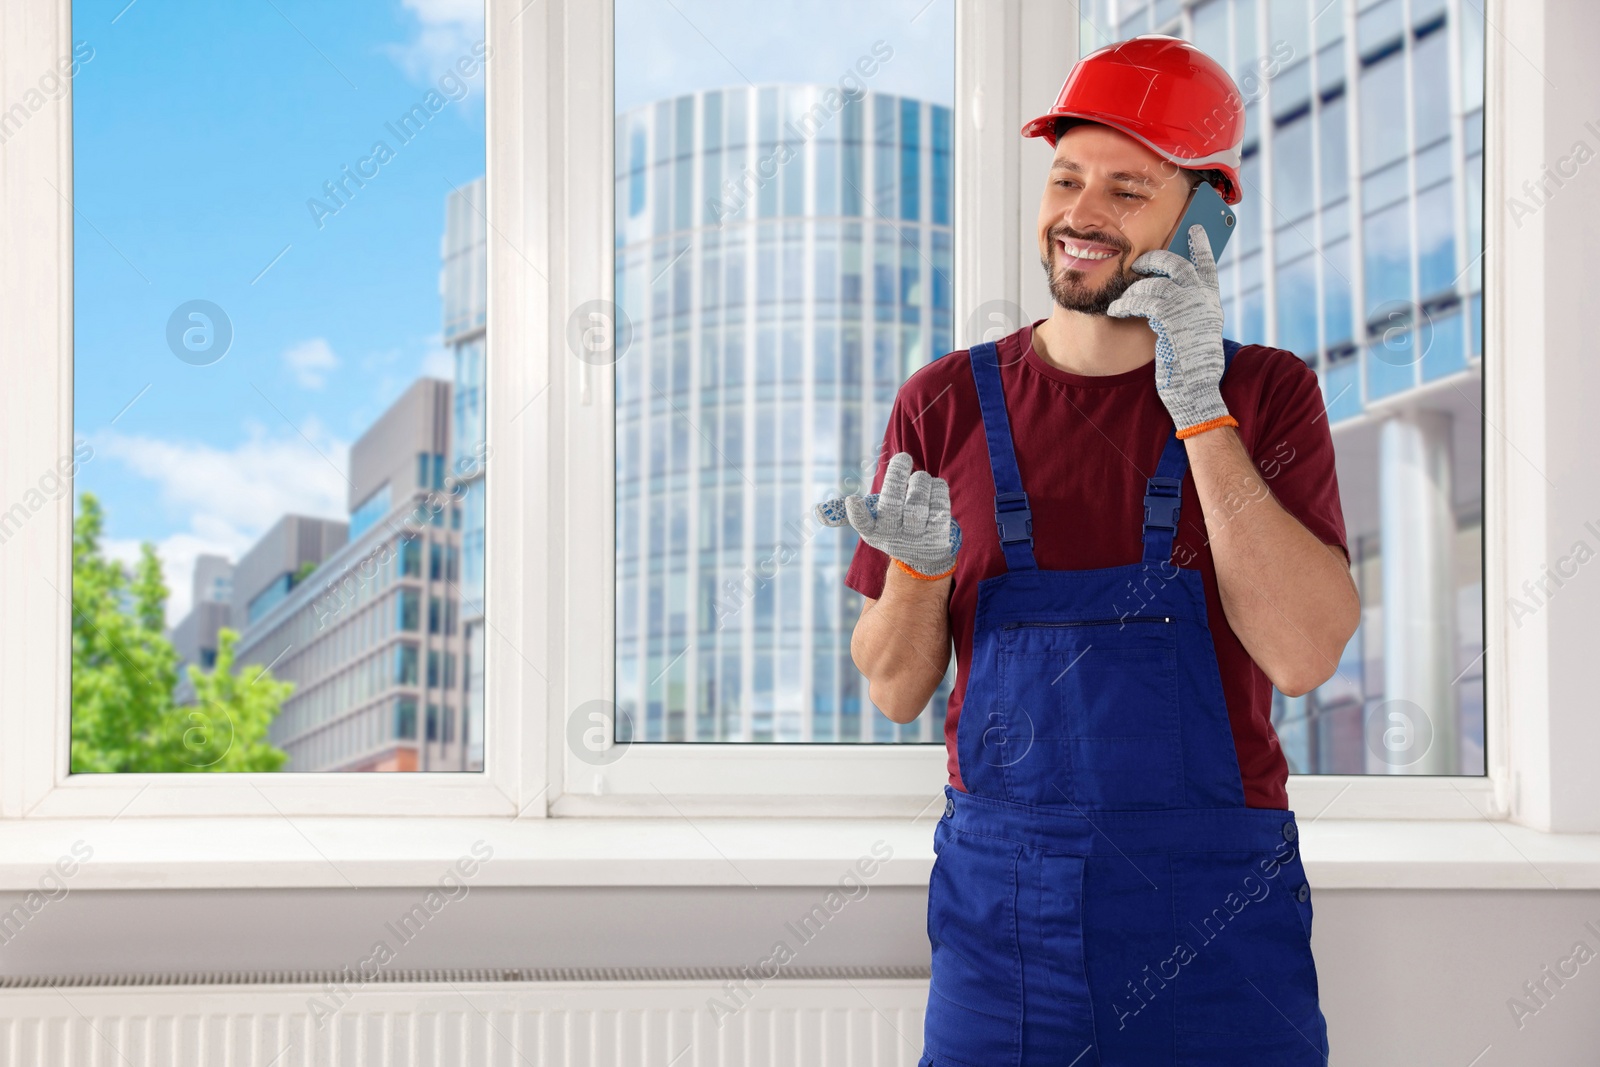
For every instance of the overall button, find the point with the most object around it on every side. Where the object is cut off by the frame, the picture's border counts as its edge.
(1289, 831)
(1303, 894)
(949, 807)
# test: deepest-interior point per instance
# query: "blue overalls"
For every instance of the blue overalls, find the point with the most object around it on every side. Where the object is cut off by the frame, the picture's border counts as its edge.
(1101, 896)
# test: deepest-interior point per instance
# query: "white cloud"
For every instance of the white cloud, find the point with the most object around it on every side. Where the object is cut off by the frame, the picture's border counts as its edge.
(430, 11)
(310, 361)
(177, 554)
(231, 496)
(446, 32)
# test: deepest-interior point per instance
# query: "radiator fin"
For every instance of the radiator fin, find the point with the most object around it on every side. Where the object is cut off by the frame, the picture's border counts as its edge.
(838, 1021)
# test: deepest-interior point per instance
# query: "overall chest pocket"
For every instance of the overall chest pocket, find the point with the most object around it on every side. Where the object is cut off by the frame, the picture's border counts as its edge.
(1090, 714)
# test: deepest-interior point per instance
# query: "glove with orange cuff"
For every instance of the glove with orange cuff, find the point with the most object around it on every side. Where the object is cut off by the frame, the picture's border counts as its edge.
(908, 519)
(1184, 306)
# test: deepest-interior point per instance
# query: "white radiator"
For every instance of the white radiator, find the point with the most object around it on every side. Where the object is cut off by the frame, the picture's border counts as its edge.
(861, 1018)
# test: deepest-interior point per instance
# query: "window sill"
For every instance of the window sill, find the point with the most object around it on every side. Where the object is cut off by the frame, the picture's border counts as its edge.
(309, 852)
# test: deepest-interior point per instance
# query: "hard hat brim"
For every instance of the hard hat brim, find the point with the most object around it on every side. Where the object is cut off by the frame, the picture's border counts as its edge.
(1226, 162)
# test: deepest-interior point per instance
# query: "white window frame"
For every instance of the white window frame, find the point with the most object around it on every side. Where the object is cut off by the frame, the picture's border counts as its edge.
(549, 516)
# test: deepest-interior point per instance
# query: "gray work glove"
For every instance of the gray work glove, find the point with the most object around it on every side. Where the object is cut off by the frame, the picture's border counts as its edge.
(1184, 306)
(908, 519)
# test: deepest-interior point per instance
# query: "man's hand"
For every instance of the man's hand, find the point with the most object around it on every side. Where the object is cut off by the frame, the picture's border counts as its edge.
(908, 519)
(1184, 306)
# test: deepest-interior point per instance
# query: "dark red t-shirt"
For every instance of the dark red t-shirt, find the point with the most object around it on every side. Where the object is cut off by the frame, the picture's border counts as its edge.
(1085, 445)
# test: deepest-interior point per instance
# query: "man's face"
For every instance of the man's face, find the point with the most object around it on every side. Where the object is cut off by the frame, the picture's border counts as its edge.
(1107, 201)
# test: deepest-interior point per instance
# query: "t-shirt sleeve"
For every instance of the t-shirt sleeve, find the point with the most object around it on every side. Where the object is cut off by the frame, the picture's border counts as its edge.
(868, 566)
(1294, 451)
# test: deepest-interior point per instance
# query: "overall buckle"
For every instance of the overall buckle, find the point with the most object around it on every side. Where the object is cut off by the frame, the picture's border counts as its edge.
(1161, 499)
(1013, 518)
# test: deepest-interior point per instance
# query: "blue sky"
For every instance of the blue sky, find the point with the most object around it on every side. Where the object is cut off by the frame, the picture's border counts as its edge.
(202, 130)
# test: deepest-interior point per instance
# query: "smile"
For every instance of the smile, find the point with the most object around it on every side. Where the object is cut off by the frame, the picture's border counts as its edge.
(1078, 256)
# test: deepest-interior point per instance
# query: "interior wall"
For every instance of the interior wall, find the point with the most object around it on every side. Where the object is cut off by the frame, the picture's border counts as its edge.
(1408, 977)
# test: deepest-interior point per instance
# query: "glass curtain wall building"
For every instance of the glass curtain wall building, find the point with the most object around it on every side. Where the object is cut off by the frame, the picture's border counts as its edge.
(783, 259)
(1360, 250)
(464, 294)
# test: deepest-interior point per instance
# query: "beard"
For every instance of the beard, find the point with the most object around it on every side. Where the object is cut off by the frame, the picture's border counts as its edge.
(1067, 286)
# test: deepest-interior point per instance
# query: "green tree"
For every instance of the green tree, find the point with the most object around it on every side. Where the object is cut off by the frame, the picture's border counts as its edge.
(226, 728)
(124, 670)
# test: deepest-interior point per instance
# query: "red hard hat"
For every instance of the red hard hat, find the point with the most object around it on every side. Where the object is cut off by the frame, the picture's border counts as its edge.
(1163, 92)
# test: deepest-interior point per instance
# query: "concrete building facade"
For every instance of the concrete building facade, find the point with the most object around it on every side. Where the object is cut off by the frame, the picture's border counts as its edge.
(371, 638)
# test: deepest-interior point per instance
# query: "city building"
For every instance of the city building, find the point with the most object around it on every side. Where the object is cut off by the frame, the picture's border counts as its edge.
(371, 636)
(464, 294)
(195, 636)
(783, 261)
(1359, 249)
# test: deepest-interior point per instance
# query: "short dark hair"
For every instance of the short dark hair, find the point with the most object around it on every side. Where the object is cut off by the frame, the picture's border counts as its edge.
(1064, 124)
(1215, 178)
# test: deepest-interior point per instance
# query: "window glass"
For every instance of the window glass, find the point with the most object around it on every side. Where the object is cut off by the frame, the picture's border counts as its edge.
(1297, 306)
(1293, 189)
(1330, 67)
(1136, 21)
(1471, 63)
(1377, 714)
(1436, 245)
(1446, 352)
(847, 109)
(1388, 258)
(1379, 27)
(1328, 20)
(1335, 156)
(1290, 26)
(1430, 61)
(1291, 88)
(1336, 306)
(1383, 89)
(1251, 210)
(1211, 29)
(281, 373)
(1245, 49)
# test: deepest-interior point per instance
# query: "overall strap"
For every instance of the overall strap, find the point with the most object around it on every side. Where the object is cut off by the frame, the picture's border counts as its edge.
(1011, 514)
(1164, 491)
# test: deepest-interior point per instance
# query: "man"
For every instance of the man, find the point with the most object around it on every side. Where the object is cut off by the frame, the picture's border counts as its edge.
(1130, 529)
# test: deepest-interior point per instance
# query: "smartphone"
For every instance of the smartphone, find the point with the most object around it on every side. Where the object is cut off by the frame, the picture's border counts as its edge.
(1208, 209)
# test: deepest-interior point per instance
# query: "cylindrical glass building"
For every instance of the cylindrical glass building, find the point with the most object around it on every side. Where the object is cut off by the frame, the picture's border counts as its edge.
(783, 262)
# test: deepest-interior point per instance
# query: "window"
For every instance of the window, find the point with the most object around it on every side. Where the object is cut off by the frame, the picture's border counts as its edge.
(282, 457)
(374, 508)
(405, 664)
(407, 605)
(710, 688)
(411, 557)
(1398, 325)
(405, 717)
